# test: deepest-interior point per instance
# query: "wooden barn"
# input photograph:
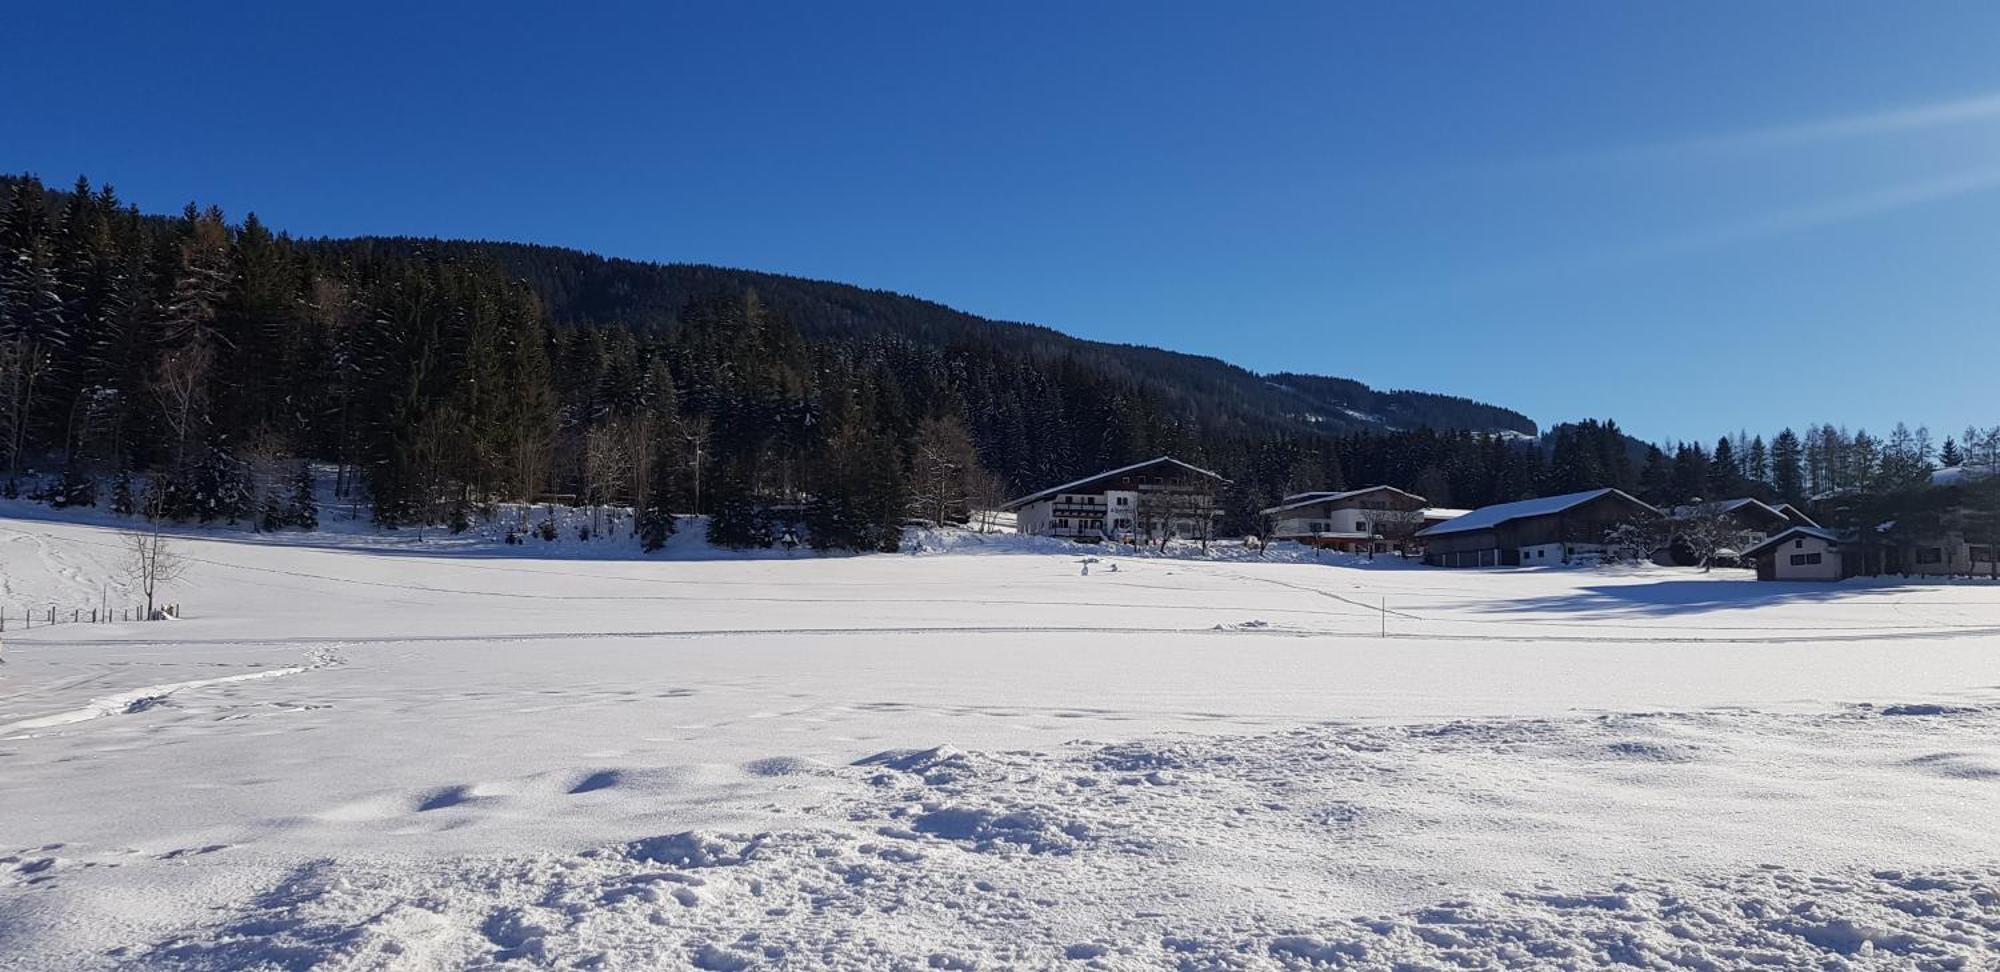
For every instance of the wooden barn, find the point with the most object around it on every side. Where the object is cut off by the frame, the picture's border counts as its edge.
(1536, 532)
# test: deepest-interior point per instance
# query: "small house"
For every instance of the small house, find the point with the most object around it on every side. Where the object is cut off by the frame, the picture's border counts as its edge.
(1799, 553)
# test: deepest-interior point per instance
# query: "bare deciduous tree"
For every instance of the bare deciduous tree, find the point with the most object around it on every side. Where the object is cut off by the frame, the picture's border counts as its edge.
(181, 386)
(985, 493)
(152, 562)
(607, 470)
(943, 464)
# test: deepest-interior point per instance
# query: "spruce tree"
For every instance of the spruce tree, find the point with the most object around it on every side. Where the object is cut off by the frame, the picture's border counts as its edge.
(303, 510)
(121, 493)
(1787, 478)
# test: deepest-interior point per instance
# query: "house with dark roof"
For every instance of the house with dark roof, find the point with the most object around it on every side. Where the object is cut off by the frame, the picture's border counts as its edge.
(1801, 553)
(1536, 532)
(1371, 520)
(1159, 499)
(1745, 521)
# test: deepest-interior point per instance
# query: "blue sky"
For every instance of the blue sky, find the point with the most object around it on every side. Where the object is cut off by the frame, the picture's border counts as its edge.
(1691, 217)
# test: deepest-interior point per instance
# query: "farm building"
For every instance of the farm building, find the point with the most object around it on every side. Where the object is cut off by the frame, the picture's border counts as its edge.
(1536, 532)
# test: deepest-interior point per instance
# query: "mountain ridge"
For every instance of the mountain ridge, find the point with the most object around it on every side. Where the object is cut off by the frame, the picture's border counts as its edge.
(583, 287)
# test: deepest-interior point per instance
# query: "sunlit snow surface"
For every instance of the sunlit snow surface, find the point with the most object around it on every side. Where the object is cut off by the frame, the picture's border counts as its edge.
(366, 752)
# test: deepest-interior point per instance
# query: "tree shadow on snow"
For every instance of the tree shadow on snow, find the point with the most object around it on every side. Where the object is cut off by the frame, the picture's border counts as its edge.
(1674, 597)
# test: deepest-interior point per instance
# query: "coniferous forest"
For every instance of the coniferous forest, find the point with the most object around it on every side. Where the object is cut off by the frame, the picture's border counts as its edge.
(193, 368)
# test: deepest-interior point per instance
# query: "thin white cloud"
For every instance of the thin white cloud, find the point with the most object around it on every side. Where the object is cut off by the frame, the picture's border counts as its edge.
(1828, 212)
(1977, 110)
(1960, 111)
(1842, 209)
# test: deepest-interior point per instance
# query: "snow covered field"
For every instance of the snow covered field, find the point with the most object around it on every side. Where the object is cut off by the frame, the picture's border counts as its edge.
(362, 752)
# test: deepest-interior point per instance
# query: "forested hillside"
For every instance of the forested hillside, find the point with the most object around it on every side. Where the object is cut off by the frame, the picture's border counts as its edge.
(584, 288)
(191, 367)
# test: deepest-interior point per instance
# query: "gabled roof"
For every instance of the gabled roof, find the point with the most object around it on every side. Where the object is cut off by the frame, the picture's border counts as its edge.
(1297, 500)
(1487, 517)
(1081, 484)
(1792, 534)
(1730, 506)
(1795, 514)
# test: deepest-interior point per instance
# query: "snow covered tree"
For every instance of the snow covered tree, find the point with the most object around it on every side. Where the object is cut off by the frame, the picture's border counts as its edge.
(122, 500)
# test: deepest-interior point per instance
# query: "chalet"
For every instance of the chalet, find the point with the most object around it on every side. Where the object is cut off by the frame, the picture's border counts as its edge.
(1157, 499)
(1753, 519)
(1370, 520)
(1800, 553)
(1550, 530)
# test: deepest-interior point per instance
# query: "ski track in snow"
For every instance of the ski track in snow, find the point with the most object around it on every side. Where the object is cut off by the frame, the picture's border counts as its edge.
(134, 701)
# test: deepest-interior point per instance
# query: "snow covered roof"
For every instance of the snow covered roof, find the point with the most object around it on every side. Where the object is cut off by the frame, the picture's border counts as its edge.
(1729, 506)
(1297, 500)
(1791, 534)
(1486, 517)
(1442, 513)
(1795, 514)
(1107, 474)
(1952, 475)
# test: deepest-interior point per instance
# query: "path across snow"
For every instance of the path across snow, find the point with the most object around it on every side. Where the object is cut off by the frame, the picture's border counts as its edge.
(982, 758)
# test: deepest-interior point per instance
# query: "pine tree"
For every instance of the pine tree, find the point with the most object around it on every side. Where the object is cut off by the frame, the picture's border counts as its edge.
(1656, 478)
(740, 521)
(303, 510)
(1949, 456)
(121, 493)
(1757, 465)
(663, 486)
(1787, 480)
(271, 513)
(1724, 477)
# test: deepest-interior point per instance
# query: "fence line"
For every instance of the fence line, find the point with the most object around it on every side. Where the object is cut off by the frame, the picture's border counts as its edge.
(103, 613)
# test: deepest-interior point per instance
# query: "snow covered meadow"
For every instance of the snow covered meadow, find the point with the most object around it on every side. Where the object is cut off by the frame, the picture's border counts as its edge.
(366, 752)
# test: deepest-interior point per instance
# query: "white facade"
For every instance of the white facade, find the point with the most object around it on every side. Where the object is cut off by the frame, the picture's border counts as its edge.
(1806, 558)
(1355, 519)
(1086, 516)
(1157, 499)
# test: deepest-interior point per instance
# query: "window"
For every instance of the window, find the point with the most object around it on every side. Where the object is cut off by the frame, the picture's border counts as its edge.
(1982, 555)
(1361, 526)
(1798, 545)
(1930, 555)
(1124, 501)
(1804, 560)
